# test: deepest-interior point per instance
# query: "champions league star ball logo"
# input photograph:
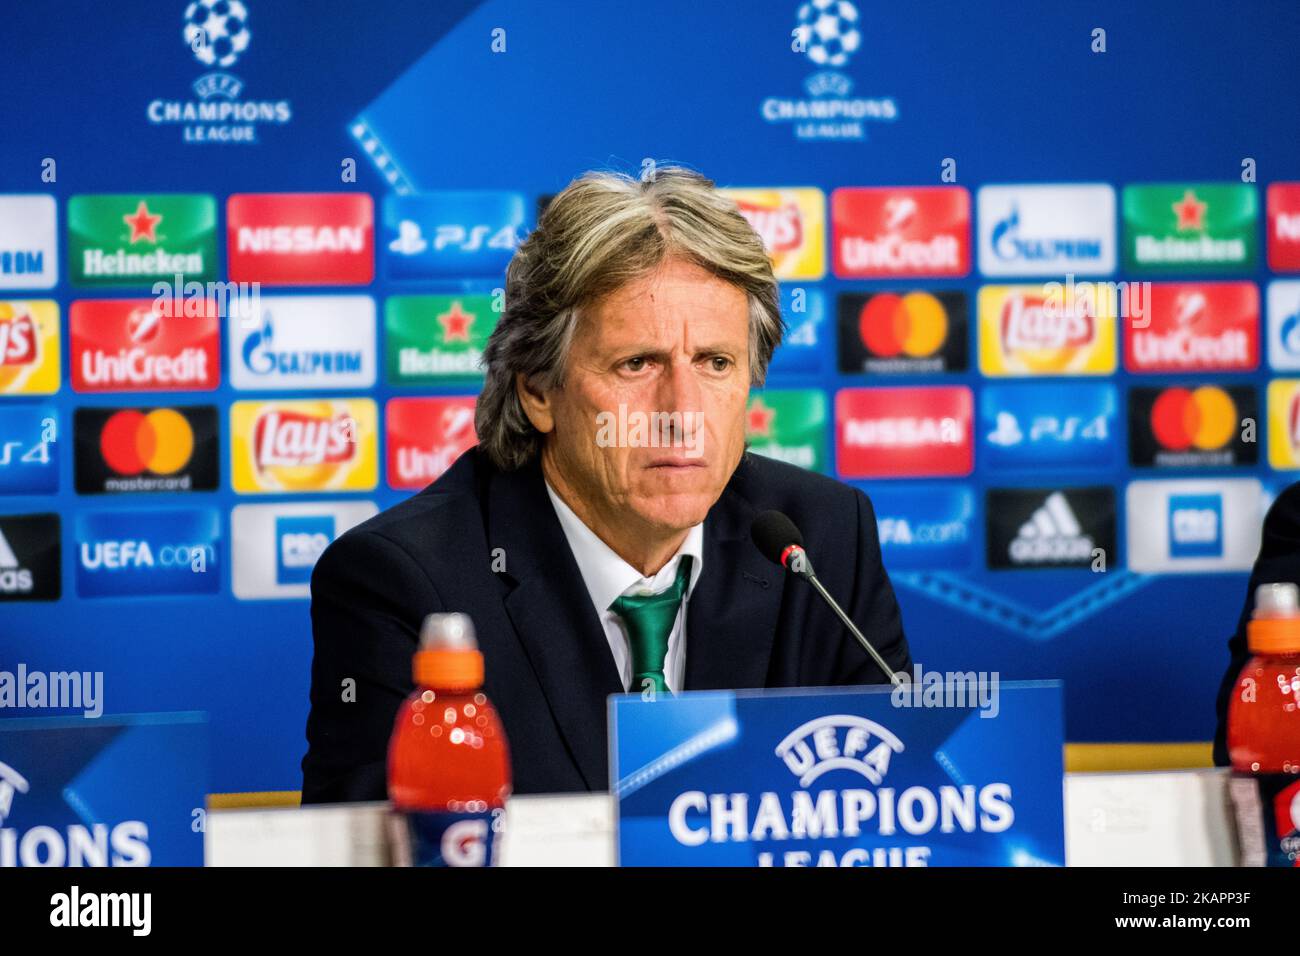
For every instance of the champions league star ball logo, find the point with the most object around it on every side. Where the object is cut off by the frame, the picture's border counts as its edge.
(217, 31)
(828, 30)
(829, 34)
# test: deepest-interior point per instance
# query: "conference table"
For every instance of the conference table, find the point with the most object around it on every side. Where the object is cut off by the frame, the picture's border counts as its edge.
(1159, 818)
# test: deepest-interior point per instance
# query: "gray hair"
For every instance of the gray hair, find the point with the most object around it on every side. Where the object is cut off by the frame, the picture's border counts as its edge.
(603, 231)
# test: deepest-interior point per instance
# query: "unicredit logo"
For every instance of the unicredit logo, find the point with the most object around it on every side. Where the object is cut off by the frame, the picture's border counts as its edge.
(1211, 326)
(425, 436)
(890, 252)
(881, 232)
(288, 438)
(127, 345)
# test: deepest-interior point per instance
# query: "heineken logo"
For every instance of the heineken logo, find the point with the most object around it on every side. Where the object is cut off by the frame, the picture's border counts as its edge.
(437, 338)
(134, 240)
(1186, 228)
(789, 425)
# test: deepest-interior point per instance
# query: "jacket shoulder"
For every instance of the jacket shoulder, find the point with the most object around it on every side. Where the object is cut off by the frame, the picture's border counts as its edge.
(808, 498)
(447, 510)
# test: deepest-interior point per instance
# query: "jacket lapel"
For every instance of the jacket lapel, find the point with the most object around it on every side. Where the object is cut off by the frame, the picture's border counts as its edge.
(552, 613)
(732, 613)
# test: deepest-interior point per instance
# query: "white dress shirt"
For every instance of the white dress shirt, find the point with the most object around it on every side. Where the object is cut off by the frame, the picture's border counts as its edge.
(608, 577)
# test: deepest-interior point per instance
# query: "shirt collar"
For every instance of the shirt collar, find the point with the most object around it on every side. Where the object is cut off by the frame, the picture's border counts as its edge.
(606, 575)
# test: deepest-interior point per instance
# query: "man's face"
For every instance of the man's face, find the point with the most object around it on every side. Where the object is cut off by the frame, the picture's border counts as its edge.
(669, 351)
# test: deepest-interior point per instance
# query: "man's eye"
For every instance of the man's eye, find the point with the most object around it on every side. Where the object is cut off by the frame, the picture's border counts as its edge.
(720, 363)
(635, 364)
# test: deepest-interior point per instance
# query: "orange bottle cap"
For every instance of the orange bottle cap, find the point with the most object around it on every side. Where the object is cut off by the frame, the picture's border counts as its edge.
(448, 656)
(1274, 627)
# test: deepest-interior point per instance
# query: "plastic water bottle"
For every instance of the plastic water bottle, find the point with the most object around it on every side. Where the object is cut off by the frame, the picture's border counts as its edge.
(1264, 732)
(448, 761)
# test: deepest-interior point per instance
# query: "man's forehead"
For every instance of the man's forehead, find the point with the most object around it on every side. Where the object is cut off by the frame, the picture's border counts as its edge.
(647, 308)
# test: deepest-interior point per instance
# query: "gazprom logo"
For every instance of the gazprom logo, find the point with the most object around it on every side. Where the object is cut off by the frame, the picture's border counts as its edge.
(838, 742)
(1010, 246)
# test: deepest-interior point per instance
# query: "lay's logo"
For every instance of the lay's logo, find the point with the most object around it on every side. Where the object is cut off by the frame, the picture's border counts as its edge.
(1046, 330)
(1284, 423)
(792, 225)
(304, 446)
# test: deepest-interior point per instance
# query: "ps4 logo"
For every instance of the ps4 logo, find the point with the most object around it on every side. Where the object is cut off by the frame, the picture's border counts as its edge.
(1007, 433)
(452, 234)
(410, 239)
(1036, 425)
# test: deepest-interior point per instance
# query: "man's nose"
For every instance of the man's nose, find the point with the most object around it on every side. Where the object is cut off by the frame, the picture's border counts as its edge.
(679, 388)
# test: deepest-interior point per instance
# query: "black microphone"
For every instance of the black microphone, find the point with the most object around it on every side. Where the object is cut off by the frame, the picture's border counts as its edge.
(777, 538)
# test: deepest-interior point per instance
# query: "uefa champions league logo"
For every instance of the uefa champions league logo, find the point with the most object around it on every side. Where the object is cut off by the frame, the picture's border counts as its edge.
(217, 31)
(828, 33)
(828, 30)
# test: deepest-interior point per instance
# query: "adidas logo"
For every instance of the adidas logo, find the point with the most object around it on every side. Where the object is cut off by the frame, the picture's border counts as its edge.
(1052, 535)
(14, 579)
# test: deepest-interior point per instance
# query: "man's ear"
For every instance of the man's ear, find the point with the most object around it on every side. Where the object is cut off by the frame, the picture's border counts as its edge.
(537, 404)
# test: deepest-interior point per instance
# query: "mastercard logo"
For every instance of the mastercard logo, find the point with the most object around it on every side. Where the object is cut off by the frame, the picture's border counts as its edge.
(913, 325)
(160, 442)
(1204, 418)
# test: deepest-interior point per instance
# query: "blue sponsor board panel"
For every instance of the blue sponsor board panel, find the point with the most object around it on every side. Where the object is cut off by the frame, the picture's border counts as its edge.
(833, 778)
(415, 119)
(925, 527)
(111, 791)
(452, 235)
(29, 449)
(1027, 427)
(171, 551)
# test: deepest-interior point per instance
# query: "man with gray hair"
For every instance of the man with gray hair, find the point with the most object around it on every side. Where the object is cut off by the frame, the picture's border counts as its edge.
(599, 534)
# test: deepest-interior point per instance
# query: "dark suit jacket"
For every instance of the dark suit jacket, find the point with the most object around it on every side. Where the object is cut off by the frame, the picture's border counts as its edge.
(1278, 561)
(549, 667)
